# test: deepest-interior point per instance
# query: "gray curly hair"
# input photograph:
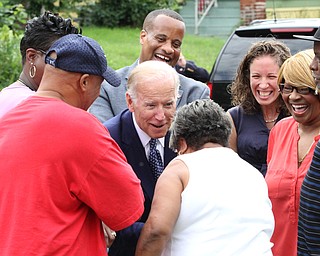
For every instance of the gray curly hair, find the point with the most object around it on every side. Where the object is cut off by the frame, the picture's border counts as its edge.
(199, 122)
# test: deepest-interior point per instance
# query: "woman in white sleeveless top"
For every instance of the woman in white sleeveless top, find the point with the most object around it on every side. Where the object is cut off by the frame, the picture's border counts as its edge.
(208, 201)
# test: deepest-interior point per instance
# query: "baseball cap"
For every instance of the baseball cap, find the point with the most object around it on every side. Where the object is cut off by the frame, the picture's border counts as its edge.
(315, 37)
(81, 54)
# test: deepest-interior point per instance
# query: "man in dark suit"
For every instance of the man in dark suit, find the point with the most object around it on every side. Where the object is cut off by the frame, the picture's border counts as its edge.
(151, 99)
(189, 68)
(161, 40)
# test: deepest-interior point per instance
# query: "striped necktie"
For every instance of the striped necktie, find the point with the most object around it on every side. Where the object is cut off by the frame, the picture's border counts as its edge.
(155, 160)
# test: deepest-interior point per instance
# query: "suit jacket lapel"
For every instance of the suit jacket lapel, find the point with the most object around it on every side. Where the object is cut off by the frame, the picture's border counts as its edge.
(135, 154)
(168, 153)
(136, 63)
(180, 93)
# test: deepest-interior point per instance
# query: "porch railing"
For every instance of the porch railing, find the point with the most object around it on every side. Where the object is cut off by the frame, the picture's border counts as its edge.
(202, 7)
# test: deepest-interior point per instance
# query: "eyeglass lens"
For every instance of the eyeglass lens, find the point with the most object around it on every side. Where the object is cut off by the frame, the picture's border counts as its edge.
(287, 89)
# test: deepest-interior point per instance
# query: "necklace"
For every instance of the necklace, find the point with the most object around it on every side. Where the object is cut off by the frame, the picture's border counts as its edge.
(21, 81)
(301, 159)
(271, 121)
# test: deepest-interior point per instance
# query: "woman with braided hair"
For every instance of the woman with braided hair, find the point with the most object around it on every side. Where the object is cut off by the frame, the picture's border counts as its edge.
(40, 33)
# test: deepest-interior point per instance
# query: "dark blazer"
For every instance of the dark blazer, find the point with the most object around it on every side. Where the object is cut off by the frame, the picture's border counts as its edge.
(191, 70)
(122, 130)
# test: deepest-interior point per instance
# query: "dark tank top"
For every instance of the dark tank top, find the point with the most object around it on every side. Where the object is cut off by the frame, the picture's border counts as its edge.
(252, 137)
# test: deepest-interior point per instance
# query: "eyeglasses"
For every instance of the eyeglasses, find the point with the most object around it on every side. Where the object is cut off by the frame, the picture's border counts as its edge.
(287, 89)
(42, 51)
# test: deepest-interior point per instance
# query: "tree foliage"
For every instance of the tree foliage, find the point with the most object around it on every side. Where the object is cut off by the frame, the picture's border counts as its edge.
(13, 16)
(36, 7)
(119, 13)
(12, 20)
(111, 13)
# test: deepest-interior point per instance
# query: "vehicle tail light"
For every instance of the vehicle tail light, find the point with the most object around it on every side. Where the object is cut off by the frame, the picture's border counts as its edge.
(291, 30)
(210, 88)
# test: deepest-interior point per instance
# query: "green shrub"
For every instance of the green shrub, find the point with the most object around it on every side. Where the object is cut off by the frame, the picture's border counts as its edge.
(12, 20)
(13, 16)
(10, 64)
(117, 13)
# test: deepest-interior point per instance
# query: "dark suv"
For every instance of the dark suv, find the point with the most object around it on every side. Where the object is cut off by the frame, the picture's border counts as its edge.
(237, 45)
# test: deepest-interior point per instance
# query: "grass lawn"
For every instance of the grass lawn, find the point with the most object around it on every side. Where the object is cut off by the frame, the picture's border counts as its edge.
(122, 46)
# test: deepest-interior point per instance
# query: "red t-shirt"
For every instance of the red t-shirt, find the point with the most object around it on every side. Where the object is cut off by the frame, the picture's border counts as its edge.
(61, 173)
(284, 179)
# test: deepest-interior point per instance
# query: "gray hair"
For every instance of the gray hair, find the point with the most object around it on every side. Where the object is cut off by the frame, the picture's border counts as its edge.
(149, 71)
(199, 122)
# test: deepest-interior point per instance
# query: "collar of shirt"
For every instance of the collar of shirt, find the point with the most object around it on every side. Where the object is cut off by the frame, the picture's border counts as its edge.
(145, 138)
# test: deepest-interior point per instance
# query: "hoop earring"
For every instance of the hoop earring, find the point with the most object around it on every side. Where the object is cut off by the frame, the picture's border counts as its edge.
(32, 70)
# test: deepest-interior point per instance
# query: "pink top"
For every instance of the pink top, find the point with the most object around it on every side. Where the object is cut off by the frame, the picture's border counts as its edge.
(12, 95)
(284, 179)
